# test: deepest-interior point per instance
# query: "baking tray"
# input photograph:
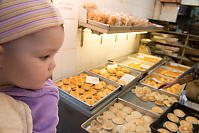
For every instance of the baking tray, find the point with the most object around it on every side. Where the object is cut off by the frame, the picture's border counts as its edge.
(145, 55)
(133, 72)
(163, 67)
(86, 124)
(163, 118)
(142, 82)
(87, 106)
(132, 98)
(177, 65)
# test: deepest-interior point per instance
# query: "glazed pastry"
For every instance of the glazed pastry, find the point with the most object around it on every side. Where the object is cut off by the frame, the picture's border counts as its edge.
(66, 88)
(92, 91)
(119, 106)
(97, 71)
(162, 130)
(136, 115)
(101, 94)
(118, 120)
(98, 86)
(171, 126)
(185, 129)
(107, 91)
(119, 73)
(90, 101)
(147, 119)
(120, 129)
(102, 83)
(179, 113)
(66, 81)
(172, 117)
(192, 119)
(111, 87)
(108, 125)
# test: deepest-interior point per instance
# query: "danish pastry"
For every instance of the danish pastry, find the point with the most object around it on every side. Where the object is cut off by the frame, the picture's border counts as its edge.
(186, 123)
(185, 129)
(192, 119)
(136, 115)
(97, 71)
(179, 113)
(171, 126)
(172, 117)
(118, 120)
(162, 130)
(108, 125)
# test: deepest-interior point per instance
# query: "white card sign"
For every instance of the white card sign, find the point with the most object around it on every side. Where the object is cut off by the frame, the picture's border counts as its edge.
(112, 66)
(127, 78)
(175, 71)
(92, 80)
(103, 70)
(145, 66)
(173, 64)
(154, 79)
(140, 56)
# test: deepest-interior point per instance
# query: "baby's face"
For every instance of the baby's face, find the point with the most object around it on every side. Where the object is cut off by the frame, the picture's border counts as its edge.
(29, 61)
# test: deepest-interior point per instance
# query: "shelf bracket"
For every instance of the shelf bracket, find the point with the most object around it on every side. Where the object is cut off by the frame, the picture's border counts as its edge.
(183, 51)
(101, 39)
(115, 38)
(82, 36)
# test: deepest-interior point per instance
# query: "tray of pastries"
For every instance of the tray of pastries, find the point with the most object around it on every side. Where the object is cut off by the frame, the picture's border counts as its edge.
(117, 73)
(168, 72)
(120, 117)
(176, 66)
(177, 119)
(150, 99)
(87, 94)
(155, 80)
(146, 57)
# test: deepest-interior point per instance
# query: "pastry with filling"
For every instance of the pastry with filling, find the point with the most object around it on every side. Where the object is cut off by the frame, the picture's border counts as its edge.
(120, 129)
(97, 71)
(192, 119)
(136, 115)
(108, 125)
(186, 123)
(172, 117)
(179, 113)
(171, 126)
(185, 129)
(162, 130)
(157, 110)
(118, 120)
(118, 106)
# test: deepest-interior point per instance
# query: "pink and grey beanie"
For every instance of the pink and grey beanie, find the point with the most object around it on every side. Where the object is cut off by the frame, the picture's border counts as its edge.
(22, 17)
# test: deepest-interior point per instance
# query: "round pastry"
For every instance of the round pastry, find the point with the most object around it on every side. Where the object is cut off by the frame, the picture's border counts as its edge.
(151, 98)
(92, 91)
(147, 90)
(167, 103)
(113, 78)
(105, 74)
(83, 75)
(172, 100)
(118, 106)
(192, 119)
(86, 87)
(125, 70)
(119, 73)
(82, 98)
(120, 129)
(90, 101)
(96, 98)
(102, 83)
(136, 115)
(59, 83)
(139, 92)
(111, 87)
(162, 130)
(128, 118)
(118, 120)
(101, 94)
(121, 114)
(113, 109)
(186, 123)
(139, 122)
(66, 81)
(160, 103)
(88, 95)
(108, 125)
(127, 110)
(96, 124)
(121, 82)
(130, 127)
(108, 115)
(98, 86)
(100, 119)
(147, 119)
(172, 117)
(185, 129)
(144, 98)
(107, 91)
(112, 70)
(157, 110)
(118, 68)
(66, 88)
(171, 126)
(93, 130)
(97, 71)
(179, 113)
(141, 129)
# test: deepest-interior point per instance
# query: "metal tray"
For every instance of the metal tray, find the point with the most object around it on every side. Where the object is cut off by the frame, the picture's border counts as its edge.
(132, 98)
(133, 72)
(86, 125)
(85, 105)
(177, 65)
(164, 67)
(145, 55)
(142, 82)
(163, 118)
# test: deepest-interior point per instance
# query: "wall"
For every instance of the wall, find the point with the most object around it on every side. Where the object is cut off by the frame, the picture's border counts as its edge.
(72, 58)
(190, 2)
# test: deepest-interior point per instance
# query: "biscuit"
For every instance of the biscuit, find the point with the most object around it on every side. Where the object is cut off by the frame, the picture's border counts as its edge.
(120, 129)
(162, 130)
(108, 125)
(136, 114)
(171, 126)
(118, 120)
(185, 129)
(172, 117)
(179, 113)
(127, 110)
(192, 119)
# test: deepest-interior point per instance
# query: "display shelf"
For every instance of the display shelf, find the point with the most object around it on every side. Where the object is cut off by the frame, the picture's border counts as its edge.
(103, 28)
(175, 45)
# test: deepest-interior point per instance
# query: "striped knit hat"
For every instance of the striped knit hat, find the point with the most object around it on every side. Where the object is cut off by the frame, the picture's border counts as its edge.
(21, 17)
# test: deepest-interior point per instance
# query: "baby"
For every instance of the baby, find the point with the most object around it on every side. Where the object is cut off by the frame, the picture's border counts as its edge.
(30, 35)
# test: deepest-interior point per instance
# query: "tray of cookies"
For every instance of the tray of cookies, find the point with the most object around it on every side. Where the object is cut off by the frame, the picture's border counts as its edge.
(87, 90)
(178, 118)
(176, 66)
(120, 116)
(146, 58)
(150, 99)
(168, 72)
(117, 73)
(155, 80)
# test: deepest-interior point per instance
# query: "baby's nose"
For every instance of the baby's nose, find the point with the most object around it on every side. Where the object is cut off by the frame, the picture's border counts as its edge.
(51, 66)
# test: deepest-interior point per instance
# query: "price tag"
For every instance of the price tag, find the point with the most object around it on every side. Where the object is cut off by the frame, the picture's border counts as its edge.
(127, 78)
(140, 56)
(92, 80)
(173, 64)
(112, 66)
(154, 79)
(145, 66)
(175, 71)
(103, 70)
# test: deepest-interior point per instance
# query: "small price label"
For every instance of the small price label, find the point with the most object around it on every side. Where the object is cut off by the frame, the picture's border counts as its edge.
(112, 66)
(154, 79)
(103, 70)
(173, 64)
(145, 66)
(127, 78)
(92, 80)
(175, 71)
(140, 56)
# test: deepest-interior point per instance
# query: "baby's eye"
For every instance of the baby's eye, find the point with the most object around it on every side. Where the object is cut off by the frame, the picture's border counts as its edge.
(44, 57)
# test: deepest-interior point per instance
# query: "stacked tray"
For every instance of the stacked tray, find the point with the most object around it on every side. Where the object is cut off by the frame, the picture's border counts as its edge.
(176, 66)
(77, 98)
(108, 116)
(146, 102)
(179, 115)
(117, 73)
(154, 80)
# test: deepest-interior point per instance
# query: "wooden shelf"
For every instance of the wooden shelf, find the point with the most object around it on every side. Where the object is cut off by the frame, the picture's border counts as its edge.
(103, 28)
(175, 45)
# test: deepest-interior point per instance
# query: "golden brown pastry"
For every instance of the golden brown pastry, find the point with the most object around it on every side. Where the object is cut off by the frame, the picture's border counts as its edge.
(108, 115)
(66, 88)
(108, 125)
(105, 74)
(114, 78)
(96, 124)
(118, 120)
(185, 129)
(93, 130)
(179, 113)
(186, 123)
(125, 70)
(147, 119)
(119, 73)
(121, 82)
(127, 110)
(120, 129)
(112, 70)
(130, 127)
(172, 117)
(97, 71)
(162, 130)
(136, 115)
(102, 83)
(59, 83)
(192, 119)
(111, 87)
(98, 86)
(171, 126)
(157, 110)
(119, 106)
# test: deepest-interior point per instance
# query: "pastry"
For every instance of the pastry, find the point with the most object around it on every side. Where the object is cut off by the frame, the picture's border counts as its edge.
(120, 129)
(179, 113)
(141, 129)
(86, 87)
(98, 86)
(83, 75)
(59, 83)
(121, 114)
(93, 130)
(139, 92)
(160, 103)
(92, 91)
(102, 83)
(101, 94)
(162, 130)
(119, 106)
(185, 129)
(80, 91)
(186, 123)
(119, 73)
(167, 103)
(96, 124)
(192, 119)
(121, 82)
(171, 126)
(66, 88)
(108, 125)
(172, 117)
(108, 115)
(113, 109)
(105, 74)
(114, 78)
(107, 91)
(100, 119)
(66, 81)
(125, 70)
(90, 101)
(97, 71)
(130, 127)
(144, 98)
(147, 119)
(136, 115)
(157, 110)
(111, 87)
(139, 122)
(128, 118)
(127, 110)
(118, 120)
(112, 70)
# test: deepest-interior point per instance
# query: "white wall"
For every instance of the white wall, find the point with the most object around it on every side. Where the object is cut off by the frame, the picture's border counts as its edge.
(190, 2)
(72, 58)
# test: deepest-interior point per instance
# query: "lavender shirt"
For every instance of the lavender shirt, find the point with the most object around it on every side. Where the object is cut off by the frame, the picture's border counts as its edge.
(43, 104)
